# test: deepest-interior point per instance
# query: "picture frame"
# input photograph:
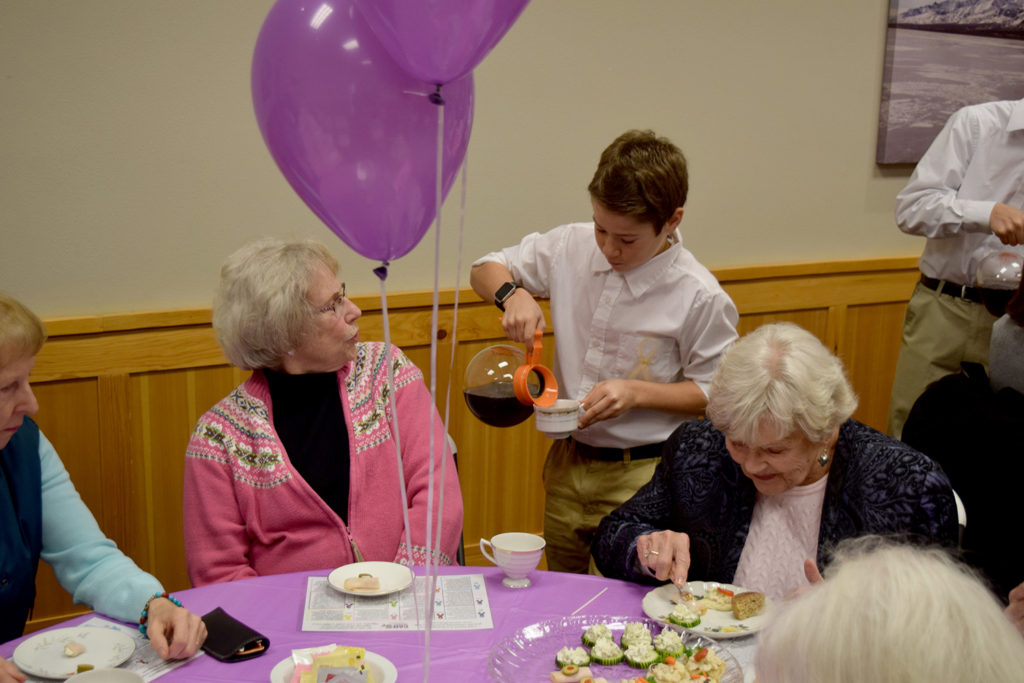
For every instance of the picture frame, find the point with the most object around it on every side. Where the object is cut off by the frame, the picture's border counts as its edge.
(940, 56)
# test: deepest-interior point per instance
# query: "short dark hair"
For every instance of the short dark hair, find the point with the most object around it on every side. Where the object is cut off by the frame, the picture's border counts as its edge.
(643, 176)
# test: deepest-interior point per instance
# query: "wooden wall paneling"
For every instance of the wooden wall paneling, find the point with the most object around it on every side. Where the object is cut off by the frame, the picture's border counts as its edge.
(814, 321)
(168, 400)
(123, 511)
(69, 417)
(870, 349)
(127, 352)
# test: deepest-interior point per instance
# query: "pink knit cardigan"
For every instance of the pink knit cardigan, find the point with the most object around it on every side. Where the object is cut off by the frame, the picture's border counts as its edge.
(248, 512)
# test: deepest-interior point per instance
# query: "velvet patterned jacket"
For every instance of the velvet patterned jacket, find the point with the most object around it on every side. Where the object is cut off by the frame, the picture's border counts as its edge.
(876, 485)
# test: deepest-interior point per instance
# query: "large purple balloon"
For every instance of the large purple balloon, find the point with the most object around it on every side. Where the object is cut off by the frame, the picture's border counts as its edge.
(354, 134)
(440, 40)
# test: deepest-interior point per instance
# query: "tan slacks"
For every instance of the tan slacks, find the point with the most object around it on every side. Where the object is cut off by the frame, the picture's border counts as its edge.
(939, 333)
(580, 492)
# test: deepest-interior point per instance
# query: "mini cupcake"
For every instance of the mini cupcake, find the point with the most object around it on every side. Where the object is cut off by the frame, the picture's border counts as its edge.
(669, 644)
(641, 655)
(595, 633)
(636, 633)
(606, 652)
(684, 615)
(572, 655)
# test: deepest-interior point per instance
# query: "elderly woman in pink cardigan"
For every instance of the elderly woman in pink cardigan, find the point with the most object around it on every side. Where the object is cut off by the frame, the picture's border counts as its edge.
(296, 468)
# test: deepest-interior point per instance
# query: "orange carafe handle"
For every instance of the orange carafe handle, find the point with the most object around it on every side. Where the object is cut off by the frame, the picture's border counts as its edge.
(520, 386)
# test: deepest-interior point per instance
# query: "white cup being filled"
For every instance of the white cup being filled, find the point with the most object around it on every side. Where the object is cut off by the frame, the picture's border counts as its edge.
(558, 420)
(516, 553)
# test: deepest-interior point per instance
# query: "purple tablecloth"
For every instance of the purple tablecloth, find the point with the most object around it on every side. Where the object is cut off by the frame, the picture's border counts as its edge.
(273, 606)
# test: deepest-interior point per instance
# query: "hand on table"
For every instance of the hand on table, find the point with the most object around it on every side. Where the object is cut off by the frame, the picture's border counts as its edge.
(174, 632)
(607, 399)
(10, 673)
(665, 555)
(1015, 610)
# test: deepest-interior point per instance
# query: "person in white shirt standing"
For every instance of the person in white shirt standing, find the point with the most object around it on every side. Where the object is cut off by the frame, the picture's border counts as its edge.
(966, 197)
(639, 327)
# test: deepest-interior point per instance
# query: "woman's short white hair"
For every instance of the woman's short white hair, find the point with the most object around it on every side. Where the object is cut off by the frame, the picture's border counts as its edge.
(782, 374)
(260, 311)
(890, 613)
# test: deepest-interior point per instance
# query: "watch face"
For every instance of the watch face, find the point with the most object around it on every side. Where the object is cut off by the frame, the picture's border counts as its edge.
(505, 291)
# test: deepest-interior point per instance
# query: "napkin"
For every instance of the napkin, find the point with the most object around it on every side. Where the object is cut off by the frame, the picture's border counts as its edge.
(229, 640)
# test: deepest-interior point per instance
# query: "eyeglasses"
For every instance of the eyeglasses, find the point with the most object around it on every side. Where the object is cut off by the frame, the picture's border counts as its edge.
(335, 304)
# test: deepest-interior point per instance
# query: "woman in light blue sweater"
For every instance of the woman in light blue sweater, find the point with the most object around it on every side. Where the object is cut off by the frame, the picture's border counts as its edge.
(42, 516)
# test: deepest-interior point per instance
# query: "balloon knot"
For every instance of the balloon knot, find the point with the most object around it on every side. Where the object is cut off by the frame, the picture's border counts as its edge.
(381, 271)
(435, 96)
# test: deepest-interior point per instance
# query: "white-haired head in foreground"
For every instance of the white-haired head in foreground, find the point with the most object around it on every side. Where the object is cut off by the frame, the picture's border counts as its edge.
(260, 311)
(891, 613)
(782, 374)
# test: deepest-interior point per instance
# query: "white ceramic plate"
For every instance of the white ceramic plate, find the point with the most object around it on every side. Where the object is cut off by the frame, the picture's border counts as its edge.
(107, 676)
(393, 577)
(383, 670)
(529, 653)
(658, 604)
(43, 654)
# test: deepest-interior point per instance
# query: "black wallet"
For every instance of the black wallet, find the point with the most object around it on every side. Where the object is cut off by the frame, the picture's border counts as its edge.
(229, 640)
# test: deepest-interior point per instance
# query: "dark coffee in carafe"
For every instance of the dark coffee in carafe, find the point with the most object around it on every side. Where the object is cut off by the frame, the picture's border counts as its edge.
(496, 404)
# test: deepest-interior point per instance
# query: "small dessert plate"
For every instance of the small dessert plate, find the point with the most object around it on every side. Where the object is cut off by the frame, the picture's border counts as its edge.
(43, 654)
(382, 669)
(393, 577)
(717, 624)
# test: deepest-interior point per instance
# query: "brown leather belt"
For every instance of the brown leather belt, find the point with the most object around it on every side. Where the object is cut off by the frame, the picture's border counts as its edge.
(651, 450)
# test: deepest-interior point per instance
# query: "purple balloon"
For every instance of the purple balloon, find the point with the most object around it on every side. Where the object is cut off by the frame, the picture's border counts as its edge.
(354, 134)
(440, 40)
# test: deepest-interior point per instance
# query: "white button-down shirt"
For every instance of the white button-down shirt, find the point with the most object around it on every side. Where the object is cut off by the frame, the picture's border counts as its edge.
(667, 320)
(976, 161)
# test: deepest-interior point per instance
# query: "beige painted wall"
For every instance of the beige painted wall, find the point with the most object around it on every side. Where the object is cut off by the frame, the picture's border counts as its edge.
(132, 164)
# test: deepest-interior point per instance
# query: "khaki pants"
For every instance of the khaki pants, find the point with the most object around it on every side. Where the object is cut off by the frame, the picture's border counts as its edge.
(580, 492)
(939, 333)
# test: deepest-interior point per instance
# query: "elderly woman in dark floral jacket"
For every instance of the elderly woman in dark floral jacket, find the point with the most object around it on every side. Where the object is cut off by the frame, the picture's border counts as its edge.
(758, 494)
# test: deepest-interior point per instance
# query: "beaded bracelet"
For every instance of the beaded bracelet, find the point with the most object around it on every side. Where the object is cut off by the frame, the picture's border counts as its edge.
(145, 610)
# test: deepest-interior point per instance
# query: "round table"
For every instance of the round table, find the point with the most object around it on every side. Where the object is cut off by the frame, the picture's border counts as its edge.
(273, 605)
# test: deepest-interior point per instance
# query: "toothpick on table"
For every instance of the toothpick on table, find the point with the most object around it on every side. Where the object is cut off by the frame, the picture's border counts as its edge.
(589, 601)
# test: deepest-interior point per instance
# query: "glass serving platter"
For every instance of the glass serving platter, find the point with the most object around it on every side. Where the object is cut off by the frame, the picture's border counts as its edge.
(529, 653)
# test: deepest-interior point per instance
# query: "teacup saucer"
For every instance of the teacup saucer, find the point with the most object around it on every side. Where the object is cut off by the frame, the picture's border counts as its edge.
(515, 583)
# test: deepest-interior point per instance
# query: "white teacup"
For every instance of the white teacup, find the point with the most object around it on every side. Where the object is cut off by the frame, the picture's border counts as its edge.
(516, 553)
(558, 420)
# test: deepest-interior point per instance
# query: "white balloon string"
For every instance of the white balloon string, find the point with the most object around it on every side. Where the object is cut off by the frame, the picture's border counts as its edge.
(455, 313)
(394, 426)
(432, 561)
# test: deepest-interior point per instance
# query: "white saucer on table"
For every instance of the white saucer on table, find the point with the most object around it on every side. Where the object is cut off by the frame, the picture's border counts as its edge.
(659, 603)
(393, 577)
(382, 669)
(43, 654)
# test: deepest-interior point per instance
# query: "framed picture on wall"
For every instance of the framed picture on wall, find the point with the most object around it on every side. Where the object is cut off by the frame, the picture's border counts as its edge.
(941, 55)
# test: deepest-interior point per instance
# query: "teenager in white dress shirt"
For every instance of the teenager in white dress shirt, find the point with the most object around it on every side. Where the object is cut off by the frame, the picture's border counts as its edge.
(639, 326)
